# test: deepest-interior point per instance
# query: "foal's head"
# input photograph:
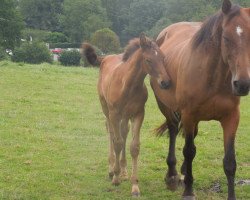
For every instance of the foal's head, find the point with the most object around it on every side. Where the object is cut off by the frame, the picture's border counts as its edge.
(153, 61)
(235, 45)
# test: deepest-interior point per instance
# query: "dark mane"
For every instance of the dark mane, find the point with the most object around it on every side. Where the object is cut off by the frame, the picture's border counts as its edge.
(132, 46)
(210, 32)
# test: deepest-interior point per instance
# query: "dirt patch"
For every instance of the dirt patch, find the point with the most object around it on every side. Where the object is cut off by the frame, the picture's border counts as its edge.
(243, 182)
(216, 188)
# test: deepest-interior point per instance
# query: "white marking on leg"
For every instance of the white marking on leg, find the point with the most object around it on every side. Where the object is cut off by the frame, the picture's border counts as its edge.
(156, 53)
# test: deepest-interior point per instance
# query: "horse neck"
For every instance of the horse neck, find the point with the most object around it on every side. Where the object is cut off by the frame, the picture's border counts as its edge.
(134, 72)
(218, 72)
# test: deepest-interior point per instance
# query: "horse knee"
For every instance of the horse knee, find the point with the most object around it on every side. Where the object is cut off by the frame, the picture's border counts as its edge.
(118, 144)
(189, 152)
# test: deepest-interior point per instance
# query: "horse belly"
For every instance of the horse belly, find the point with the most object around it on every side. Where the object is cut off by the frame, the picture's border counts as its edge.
(134, 105)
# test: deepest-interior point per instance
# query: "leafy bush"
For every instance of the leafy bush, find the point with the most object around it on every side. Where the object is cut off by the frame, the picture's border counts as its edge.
(56, 37)
(34, 53)
(70, 58)
(106, 40)
(3, 54)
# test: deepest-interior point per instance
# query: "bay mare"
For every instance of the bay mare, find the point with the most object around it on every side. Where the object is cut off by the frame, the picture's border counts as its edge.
(123, 95)
(209, 66)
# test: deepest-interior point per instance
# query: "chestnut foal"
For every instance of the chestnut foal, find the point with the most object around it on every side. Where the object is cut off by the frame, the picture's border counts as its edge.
(123, 95)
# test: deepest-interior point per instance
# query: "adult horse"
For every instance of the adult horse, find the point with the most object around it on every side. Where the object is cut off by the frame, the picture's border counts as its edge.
(209, 66)
(123, 95)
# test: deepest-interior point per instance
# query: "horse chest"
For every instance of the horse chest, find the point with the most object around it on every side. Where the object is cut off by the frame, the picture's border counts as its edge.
(214, 108)
(128, 102)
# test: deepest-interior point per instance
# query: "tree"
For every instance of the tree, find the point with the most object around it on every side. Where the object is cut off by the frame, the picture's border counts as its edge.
(81, 18)
(11, 24)
(143, 15)
(192, 10)
(106, 40)
(42, 14)
(117, 12)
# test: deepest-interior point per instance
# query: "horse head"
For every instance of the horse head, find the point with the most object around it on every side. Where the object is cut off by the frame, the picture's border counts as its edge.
(235, 46)
(153, 61)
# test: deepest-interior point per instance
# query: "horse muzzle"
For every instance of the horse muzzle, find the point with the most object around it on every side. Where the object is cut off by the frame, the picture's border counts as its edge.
(165, 84)
(241, 87)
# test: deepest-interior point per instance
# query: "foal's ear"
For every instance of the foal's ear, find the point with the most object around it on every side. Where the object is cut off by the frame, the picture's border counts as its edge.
(226, 6)
(144, 42)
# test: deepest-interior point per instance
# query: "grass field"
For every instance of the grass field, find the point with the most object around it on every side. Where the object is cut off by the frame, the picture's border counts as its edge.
(53, 142)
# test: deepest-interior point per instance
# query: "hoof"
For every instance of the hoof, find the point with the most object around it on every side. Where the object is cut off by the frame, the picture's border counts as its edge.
(188, 197)
(115, 181)
(135, 194)
(135, 191)
(172, 182)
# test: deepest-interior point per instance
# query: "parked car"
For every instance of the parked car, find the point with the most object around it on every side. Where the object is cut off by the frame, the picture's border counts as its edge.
(57, 50)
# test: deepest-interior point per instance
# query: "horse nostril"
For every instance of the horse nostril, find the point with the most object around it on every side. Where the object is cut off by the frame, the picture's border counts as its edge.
(165, 84)
(236, 84)
(241, 87)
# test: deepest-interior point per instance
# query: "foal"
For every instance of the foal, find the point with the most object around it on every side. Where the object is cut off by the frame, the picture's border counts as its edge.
(123, 95)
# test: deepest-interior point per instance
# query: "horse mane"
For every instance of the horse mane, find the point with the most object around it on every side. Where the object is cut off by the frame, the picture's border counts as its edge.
(211, 29)
(132, 46)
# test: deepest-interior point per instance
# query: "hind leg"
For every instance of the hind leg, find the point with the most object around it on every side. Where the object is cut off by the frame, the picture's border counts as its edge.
(171, 179)
(111, 154)
(123, 161)
(111, 157)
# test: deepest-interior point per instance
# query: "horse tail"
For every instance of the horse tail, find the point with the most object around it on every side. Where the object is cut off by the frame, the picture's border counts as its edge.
(89, 53)
(173, 120)
(161, 129)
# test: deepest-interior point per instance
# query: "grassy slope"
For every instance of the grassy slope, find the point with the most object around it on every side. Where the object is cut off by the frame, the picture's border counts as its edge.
(53, 141)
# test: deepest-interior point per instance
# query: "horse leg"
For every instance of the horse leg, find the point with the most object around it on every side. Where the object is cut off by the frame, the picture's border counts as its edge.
(123, 161)
(115, 121)
(172, 178)
(184, 164)
(134, 151)
(230, 125)
(111, 156)
(111, 150)
(189, 152)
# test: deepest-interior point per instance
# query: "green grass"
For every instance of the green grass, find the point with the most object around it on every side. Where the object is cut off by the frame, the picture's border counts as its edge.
(54, 144)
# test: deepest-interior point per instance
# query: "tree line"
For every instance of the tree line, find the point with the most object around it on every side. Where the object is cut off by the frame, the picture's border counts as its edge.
(78, 20)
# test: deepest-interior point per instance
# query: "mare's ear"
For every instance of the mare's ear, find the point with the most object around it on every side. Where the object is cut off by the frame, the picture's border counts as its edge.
(144, 43)
(226, 6)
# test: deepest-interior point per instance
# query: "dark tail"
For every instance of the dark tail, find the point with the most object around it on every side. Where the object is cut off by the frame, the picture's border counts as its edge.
(89, 53)
(174, 120)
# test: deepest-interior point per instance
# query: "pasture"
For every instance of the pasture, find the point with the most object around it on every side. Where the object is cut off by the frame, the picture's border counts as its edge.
(54, 145)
